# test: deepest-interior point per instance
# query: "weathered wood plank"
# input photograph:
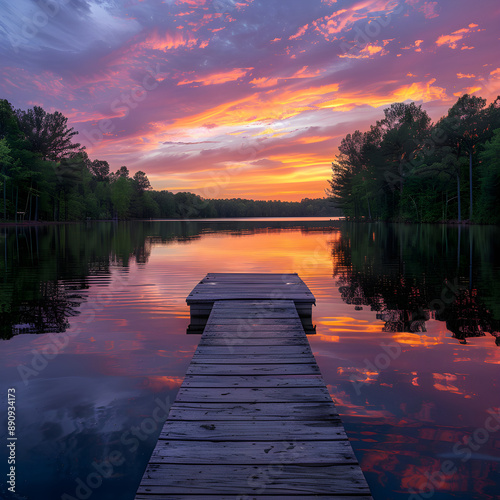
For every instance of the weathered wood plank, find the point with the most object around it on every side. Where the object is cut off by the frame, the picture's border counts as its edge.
(215, 340)
(226, 430)
(237, 496)
(253, 395)
(253, 452)
(254, 276)
(252, 359)
(274, 478)
(256, 322)
(253, 369)
(255, 359)
(249, 292)
(256, 305)
(270, 288)
(253, 381)
(275, 317)
(253, 350)
(252, 411)
(250, 295)
(253, 305)
(253, 331)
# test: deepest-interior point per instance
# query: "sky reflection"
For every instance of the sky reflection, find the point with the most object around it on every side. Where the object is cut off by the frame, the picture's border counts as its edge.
(411, 401)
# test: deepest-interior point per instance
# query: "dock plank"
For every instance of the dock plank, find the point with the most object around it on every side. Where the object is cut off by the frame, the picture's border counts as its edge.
(261, 340)
(237, 496)
(253, 350)
(254, 452)
(274, 478)
(252, 411)
(253, 369)
(228, 430)
(253, 381)
(253, 394)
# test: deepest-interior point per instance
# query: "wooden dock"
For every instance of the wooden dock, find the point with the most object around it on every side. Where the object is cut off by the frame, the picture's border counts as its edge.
(249, 286)
(253, 418)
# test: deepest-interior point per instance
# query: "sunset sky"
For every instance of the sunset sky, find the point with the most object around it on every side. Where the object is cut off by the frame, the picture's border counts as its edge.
(241, 98)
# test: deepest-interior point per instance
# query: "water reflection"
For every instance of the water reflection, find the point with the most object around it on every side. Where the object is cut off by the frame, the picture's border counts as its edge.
(47, 269)
(405, 274)
(116, 293)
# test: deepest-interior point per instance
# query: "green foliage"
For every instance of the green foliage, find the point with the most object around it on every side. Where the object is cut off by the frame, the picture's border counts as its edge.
(121, 192)
(407, 169)
(489, 173)
(47, 132)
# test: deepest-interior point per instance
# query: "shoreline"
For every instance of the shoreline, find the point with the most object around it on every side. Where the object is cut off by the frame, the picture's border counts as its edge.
(52, 223)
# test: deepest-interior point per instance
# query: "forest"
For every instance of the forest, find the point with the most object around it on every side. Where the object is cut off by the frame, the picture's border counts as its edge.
(407, 169)
(46, 176)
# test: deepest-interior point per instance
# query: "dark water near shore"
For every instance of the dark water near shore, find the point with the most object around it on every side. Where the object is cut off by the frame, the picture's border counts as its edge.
(93, 320)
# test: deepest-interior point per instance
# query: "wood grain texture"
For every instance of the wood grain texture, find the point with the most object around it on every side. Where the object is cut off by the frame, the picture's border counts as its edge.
(252, 411)
(284, 369)
(253, 394)
(237, 496)
(216, 430)
(253, 381)
(253, 452)
(273, 478)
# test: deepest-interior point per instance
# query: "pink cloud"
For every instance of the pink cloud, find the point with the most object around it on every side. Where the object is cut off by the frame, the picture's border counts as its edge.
(344, 19)
(217, 78)
(299, 33)
(367, 52)
(430, 10)
(169, 41)
(452, 40)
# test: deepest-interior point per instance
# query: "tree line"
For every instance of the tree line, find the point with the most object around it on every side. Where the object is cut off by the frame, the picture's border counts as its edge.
(405, 168)
(46, 176)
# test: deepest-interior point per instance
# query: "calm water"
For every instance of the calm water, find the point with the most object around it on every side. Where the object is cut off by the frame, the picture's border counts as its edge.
(93, 321)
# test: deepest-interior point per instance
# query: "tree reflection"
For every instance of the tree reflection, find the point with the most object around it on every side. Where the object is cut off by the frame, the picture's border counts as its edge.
(410, 274)
(46, 270)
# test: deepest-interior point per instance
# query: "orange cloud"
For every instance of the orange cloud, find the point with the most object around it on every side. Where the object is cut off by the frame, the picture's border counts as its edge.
(217, 78)
(304, 72)
(418, 91)
(312, 139)
(193, 3)
(456, 36)
(415, 46)
(367, 52)
(300, 32)
(264, 82)
(450, 40)
(462, 75)
(343, 19)
(169, 41)
(260, 107)
(467, 90)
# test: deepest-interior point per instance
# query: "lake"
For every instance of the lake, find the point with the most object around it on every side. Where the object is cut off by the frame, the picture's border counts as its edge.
(93, 326)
